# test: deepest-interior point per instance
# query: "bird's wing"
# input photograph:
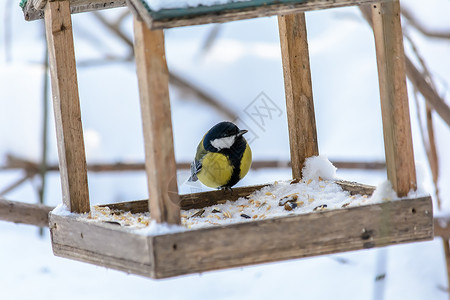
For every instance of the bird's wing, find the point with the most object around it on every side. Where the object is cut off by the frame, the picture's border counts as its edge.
(196, 166)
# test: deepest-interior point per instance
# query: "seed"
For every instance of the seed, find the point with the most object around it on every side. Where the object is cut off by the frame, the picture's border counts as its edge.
(309, 181)
(345, 205)
(289, 198)
(257, 203)
(268, 193)
(300, 203)
(112, 222)
(226, 214)
(310, 200)
(320, 178)
(246, 216)
(215, 211)
(255, 216)
(198, 214)
(290, 206)
(320, 207)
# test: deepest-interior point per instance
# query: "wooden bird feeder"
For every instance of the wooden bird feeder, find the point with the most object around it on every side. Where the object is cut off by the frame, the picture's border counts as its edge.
(241, 244)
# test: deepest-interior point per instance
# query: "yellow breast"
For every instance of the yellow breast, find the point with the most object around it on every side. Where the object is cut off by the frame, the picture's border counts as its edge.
(216, 170)
(246, 162)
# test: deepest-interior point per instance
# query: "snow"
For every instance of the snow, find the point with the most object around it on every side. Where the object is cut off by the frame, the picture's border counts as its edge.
(160, 229)
(61, 210)
(244, 62)
(384, 192)
(319, 166)
(156, 5)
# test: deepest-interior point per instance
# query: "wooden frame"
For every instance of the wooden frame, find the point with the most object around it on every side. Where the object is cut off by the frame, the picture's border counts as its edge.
(66, 106)
(170, 18)
(240, 244)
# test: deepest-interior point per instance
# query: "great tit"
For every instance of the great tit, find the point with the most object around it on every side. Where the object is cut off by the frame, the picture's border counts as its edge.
(223, 157)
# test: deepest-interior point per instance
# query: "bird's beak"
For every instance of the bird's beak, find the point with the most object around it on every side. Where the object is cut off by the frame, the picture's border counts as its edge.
(242, 132)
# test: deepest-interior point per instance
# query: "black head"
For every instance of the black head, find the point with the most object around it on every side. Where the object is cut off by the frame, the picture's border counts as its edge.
(222, 136)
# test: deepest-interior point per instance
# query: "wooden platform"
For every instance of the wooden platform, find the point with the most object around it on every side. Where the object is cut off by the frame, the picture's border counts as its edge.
(168, 18)
(240, 244)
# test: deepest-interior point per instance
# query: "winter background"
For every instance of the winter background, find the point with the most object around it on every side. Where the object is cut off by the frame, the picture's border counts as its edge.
(242, 63)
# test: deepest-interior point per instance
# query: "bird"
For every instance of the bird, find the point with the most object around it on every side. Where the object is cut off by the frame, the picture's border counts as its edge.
(223, 157)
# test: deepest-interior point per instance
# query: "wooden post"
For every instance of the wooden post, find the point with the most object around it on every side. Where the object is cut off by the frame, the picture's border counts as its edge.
(66, 106)
(298, 89)
(153, 78)
(394, 97)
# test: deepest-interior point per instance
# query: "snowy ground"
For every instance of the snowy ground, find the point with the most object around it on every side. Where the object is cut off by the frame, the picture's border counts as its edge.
(244, 62)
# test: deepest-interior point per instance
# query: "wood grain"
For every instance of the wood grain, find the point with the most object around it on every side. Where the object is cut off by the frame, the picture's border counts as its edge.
(153, 79)
(292, 237)
(394, 97)
(38, 4)
(66, 106)
(298, 90)
(24, 213)
(101, 244)
(33, 12)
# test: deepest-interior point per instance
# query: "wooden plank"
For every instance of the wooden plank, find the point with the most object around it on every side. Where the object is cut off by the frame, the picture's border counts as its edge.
(276, 239)
(33, 11)
(394, 97)
(168, 21)
(66, 106)
(153, 79)
(101, 244)
(298, 90)
(203, 199)
(24, 213)
(99, 259)
(189, 201)
(38, 4)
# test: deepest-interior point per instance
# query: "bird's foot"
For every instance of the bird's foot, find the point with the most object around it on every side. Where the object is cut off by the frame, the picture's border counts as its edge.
(226, 189)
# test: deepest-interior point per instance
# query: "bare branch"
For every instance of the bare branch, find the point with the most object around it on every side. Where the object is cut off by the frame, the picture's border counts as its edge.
(416, 78)
(430, 145)
(182, 84)
(24, 213)
(114, 27)
(33, 168)
(406, 13)
(15, 184)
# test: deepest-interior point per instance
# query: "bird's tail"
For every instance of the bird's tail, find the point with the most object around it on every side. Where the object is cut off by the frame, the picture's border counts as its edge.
(193, 178)
(195, 168)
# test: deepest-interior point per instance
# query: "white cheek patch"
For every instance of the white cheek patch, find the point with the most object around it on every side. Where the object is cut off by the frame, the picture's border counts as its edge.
(223, 143)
